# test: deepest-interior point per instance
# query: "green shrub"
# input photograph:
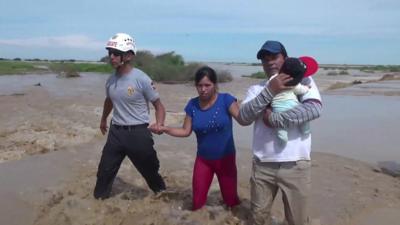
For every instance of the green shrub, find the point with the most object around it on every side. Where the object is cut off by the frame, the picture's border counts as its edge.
(171, 58)
(162, 71)
(394, 68)
(164, 67)
(191, 69)
(224, 76)
(105, 59)
(258, 75)
(169, 67)
(67, 70)
(143, 58)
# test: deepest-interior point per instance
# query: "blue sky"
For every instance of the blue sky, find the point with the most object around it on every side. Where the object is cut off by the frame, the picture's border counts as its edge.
(334, 31)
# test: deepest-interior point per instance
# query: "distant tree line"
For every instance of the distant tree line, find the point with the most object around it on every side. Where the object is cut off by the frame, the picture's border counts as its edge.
(168, 67)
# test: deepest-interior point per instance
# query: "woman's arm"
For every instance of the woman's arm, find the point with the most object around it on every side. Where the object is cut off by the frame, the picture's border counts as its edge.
(183, 131)
(234, 111)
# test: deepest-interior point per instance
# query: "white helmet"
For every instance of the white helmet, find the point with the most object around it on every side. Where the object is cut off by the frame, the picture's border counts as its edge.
(122, 42)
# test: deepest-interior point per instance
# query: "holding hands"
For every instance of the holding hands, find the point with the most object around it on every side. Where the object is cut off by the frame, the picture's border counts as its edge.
(157, 128)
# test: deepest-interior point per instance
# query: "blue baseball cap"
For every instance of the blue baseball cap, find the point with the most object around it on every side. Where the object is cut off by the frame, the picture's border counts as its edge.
(271, 47)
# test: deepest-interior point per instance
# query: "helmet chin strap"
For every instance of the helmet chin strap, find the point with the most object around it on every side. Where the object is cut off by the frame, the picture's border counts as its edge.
(122, 62)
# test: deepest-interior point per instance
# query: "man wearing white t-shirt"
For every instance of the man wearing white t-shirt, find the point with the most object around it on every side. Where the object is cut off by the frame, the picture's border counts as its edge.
(279, 167)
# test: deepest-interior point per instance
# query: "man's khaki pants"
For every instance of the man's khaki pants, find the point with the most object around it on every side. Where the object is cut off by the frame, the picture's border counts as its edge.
(292, 178)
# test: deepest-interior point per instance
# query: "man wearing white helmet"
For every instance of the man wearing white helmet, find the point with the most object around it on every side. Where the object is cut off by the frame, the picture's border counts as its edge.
(128, 91)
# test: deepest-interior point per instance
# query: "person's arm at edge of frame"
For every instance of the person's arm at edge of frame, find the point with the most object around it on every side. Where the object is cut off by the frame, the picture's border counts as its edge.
(249, 111)
(159, 115)
(183, 131)
(234, 111)
(107, 107)
(309, 109)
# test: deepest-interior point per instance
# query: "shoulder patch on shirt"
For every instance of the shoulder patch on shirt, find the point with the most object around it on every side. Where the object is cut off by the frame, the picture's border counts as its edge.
(153, 86)
(130, 90)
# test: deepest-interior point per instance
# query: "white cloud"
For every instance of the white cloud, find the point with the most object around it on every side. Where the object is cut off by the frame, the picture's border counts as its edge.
(68, 41)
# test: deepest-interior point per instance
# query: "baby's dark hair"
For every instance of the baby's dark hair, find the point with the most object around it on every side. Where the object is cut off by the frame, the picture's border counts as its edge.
(295, 68)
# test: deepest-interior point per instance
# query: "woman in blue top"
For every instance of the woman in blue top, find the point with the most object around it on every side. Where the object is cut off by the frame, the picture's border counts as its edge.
(210, 116)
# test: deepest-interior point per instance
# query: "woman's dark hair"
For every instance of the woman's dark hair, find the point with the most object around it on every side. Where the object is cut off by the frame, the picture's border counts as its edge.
(205, 71)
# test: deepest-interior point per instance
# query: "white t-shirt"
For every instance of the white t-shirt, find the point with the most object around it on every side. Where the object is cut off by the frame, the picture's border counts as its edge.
(266, 145)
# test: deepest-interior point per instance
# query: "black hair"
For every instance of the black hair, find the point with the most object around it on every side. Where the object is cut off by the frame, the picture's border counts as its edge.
(295, 68)
(205, 71)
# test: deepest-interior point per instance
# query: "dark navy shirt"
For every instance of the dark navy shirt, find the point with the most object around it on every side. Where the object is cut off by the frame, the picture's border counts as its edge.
(212, 126)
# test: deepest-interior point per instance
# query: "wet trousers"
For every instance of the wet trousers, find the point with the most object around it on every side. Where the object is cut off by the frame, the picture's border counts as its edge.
(136, 142)
(203, 174)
